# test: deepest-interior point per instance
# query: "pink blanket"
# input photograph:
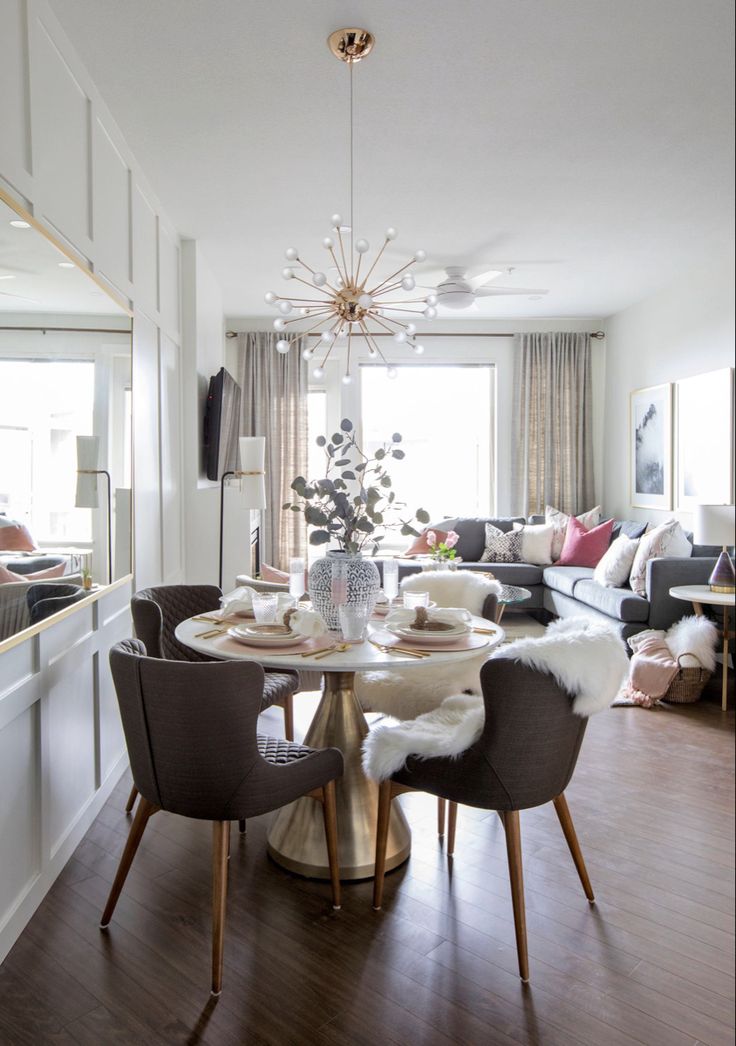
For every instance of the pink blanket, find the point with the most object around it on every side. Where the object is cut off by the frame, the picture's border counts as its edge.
(652, 669)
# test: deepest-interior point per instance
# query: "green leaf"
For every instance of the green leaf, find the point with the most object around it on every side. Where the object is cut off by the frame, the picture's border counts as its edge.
(287, 504)
(319, 537)
(398, 454)
(365, 525)
(299, 482)
(295, 508)
(341, 461)
(385, 481)
(361, 466)
(346, 425)
(396, 438)
(422, 515)
(377, 517)
(380, 453)
(348, 474)
(337, 438)
(407, 531)
(315, 517)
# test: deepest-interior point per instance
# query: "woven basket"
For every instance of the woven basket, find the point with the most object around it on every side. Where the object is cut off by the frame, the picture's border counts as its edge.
(688, 684)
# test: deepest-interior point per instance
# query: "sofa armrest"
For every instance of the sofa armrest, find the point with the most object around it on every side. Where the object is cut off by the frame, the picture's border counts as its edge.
(664, 574)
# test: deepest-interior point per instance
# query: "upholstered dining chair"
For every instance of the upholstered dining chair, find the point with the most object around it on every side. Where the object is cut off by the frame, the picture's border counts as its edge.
(45, 599)
(524, 758)
(204, 759)
(156, 613)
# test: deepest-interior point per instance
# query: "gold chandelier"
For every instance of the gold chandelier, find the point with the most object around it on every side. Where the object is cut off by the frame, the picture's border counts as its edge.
(352, 302)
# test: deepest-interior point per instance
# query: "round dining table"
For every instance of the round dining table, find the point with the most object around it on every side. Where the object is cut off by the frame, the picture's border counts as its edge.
(296, 839)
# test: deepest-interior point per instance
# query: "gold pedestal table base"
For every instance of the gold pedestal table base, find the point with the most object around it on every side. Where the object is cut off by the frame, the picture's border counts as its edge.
(297, 837)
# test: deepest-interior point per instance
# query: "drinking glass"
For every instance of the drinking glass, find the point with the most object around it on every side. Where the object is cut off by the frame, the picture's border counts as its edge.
(354, 620)
(412, 600)
(264, 607)
(390, 579)
(296, 577)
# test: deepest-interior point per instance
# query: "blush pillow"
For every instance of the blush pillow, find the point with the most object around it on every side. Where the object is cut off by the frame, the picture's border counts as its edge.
(268, 573)
(40, 575)
(559, 521)
(420, 546)
(14, 537)
(585, 548)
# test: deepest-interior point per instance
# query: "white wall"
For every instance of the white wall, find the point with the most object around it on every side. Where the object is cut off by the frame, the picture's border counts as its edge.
(685, 329)
(497, 351)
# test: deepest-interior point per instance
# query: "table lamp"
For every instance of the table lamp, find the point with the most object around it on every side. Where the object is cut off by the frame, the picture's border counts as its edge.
(715, 525)
(88, 454)
(252, 476)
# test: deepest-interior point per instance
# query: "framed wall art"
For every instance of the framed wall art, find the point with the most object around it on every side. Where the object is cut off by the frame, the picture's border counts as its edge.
(650, 451)
(704, 428)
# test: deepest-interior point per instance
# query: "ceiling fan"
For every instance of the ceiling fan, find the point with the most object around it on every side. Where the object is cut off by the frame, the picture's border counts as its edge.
(457, 290)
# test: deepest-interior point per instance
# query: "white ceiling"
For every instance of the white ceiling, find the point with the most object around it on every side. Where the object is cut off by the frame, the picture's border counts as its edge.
(586, 142)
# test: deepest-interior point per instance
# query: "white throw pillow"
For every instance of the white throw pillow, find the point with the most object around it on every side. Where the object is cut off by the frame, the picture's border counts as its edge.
(614, 569)
(663, 542)
(536, 542)
(559, 521)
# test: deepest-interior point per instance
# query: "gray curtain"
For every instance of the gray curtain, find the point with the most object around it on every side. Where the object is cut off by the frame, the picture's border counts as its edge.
(552, 457)
(274, 405)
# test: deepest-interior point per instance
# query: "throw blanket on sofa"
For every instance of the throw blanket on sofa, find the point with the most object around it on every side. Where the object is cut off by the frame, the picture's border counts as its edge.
(587, 660)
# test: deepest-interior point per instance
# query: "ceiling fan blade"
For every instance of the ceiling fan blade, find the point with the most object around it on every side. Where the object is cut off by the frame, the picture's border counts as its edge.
(488, 292)
(485, 277)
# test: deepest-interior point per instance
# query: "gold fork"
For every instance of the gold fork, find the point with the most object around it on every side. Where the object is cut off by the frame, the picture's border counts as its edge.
(339, 649)
(403, 651)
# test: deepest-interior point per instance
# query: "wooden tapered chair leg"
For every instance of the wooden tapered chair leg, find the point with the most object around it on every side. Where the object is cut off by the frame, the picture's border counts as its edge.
(568, 828)
(142, 814)
(384, 816)
(516, 877)
(220, 842)
(289, 717)
(441, 808)
(131, 799)
(329, 812)
(241, 826)
(451, 827)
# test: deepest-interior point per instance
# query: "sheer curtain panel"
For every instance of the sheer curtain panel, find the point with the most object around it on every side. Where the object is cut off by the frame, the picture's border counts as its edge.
(552, 461)
(274, 405)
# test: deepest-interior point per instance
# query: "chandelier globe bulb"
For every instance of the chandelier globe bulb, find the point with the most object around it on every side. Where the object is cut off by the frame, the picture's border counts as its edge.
(285, 307)
(319, 279)
(270, 298)
(431, 299)
(347, 378)
(279, 324)
(365, 301)
(336, 221)
(282, 346)
(291, 254)
(399, 337)
(430, 312)
(391, 233)
(392, 373)
(318, 373)
(327, 337)
(307, 354)
(408, 282)
(287, 273)
(328, 243)
(362, 246)
(420, 255)
(418, 350)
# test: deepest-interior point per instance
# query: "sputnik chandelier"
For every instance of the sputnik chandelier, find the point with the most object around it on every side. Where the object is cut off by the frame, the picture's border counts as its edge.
(352, 303)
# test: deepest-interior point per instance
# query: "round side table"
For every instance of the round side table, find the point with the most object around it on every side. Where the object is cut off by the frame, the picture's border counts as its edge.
(703, 595)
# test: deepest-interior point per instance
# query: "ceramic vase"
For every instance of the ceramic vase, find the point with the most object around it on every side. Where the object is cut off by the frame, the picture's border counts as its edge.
(362, 584)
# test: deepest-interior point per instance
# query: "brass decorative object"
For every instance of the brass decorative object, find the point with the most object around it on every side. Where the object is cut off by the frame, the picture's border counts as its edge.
(348, 301)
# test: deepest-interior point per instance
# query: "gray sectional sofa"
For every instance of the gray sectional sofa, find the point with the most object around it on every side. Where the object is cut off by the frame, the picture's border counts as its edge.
(571, 591)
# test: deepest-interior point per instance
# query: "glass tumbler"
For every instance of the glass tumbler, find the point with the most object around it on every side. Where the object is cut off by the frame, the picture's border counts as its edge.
(296, 577)
(354, 621)
(264, 607)
(412, 600)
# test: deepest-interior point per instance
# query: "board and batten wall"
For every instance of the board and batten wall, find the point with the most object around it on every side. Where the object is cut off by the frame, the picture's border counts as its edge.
(63, 158)
(685, 329)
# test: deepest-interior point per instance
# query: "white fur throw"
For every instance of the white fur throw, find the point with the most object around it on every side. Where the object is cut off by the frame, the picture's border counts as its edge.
(408, 692)
(697, 636)
(588, 660)
(453, 588)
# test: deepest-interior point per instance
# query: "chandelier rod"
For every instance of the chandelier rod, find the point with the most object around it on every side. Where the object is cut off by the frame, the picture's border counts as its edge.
(598, 335)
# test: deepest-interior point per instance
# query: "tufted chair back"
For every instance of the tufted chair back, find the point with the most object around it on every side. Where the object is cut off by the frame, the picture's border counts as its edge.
(157, 611)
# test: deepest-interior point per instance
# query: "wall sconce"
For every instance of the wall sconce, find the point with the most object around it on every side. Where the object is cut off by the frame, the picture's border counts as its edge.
(88, 452)
(252, 477)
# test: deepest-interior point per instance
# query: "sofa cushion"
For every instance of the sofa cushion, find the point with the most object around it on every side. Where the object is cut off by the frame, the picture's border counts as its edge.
(502, 547)
(522, 574)
(632, 528)
(471, 533)
(564, 579)
(619, 603)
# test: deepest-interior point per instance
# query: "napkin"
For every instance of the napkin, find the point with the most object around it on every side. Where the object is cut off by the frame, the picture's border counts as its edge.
(308, 623)
(240, 601)
(404, 616)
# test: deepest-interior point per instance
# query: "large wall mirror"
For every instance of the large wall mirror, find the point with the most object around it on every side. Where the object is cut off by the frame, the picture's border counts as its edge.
(65, 429)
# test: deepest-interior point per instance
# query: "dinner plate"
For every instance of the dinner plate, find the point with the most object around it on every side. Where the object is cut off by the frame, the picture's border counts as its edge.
(425, 638)
(255, 635)
(384, 608)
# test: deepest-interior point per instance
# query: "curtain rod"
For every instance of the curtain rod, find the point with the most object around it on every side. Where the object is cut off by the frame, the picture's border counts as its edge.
(71, 330)
(598, 335)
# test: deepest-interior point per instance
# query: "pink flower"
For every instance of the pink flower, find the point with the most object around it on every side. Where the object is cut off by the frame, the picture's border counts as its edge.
(431, 538)
(452, 539)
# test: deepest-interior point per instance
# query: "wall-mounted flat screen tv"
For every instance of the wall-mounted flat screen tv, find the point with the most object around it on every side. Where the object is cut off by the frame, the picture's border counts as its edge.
(221, 424)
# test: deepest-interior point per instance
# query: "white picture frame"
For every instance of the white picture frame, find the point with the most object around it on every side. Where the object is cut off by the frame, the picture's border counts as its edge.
(704, 440)
(650, 447)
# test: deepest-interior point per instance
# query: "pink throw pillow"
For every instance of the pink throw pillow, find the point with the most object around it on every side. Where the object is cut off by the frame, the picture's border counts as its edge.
(16, 538)
(420, 545)
(585, 548)
(269, 573)
(40, 575)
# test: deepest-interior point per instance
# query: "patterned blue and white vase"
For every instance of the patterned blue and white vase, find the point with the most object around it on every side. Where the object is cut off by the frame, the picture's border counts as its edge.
(357, 577)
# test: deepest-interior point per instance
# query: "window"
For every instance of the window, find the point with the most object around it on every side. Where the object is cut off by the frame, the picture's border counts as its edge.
(316, 426)
(445, 416)
(44, 406)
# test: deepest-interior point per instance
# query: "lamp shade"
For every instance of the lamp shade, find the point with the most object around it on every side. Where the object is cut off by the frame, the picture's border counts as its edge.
(714, 524)
(252, 465)
(88, 450)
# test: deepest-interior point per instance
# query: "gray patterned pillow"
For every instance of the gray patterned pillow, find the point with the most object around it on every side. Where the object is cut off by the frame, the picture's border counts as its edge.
(500, 547)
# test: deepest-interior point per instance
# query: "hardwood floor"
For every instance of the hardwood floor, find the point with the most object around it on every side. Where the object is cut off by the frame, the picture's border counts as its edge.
(652, 962)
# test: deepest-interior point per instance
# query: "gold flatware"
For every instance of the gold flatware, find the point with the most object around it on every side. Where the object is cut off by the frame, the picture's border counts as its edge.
(403, 651)
(313, 653)
(485, 631)
(339, 649)
(210, 633)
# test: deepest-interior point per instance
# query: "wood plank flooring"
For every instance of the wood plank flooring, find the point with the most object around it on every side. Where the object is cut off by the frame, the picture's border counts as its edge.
(651, 963)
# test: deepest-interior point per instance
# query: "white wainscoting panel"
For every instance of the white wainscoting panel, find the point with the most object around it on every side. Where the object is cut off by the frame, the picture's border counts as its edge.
(147, 502)
(169, 262)
(15, 139)
(171, 444)
(145, 251)
(61, 749)
(111, 218)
